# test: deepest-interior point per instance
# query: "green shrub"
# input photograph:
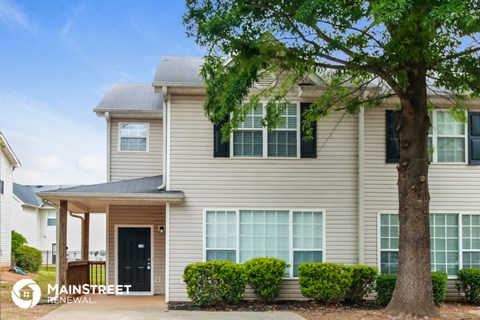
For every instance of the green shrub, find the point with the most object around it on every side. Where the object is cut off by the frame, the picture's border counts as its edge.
(28, 258)
(264, 276)
(363, 282)
(439, 283)
(384, 287)
(17, 241)
(469, 284)
(386, 284)
(325, 282)
(209, 283)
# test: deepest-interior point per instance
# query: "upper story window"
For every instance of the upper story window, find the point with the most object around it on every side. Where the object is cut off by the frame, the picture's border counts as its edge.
(253, 140)
(51, 218)
(133, 137)
(449, 140)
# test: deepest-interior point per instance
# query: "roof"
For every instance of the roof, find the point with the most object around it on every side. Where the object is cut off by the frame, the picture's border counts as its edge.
(139, 185)
(96, 197)
(27, 193)
(130, 96)
(7, 150)
(179, 70)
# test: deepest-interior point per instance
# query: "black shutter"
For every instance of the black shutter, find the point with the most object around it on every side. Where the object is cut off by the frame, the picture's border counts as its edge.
(474, 137)
(2, 184)
(308, 148)
(392, 137)
(220, 149)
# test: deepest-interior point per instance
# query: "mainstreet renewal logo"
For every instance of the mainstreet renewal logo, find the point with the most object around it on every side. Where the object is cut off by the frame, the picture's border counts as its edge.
(26, 293)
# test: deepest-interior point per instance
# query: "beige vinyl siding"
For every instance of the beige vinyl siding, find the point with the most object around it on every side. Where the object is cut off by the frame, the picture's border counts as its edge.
(453, 187)
(328, 182)
(6, 198)
(129, 165)
(139, 215)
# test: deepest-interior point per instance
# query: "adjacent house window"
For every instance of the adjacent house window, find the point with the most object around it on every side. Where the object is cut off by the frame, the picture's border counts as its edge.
(447, 137)
(454, 242)
(133, 137)
(253, 140)
(240, 235)
(51, 218)
(2, 187)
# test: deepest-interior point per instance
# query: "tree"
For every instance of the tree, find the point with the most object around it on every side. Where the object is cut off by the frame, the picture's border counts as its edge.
(366, 52)
(18, 240)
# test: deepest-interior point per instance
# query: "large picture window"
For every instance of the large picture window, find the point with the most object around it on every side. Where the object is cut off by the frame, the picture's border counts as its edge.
(253, 140)
(240, 235)
(133, 137)
(454, 242)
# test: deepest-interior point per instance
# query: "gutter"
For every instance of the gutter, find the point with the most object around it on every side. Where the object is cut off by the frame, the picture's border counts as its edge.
(165, 138)
(175, 196)
(361, 191)
(107, 118)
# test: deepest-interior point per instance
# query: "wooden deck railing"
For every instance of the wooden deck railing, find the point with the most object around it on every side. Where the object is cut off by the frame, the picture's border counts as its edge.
(97, 272)
(86, 272)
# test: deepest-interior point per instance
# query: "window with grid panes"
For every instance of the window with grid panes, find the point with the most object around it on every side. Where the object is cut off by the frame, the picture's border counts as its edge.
(221, 235)
(447, 137)
(133, 136)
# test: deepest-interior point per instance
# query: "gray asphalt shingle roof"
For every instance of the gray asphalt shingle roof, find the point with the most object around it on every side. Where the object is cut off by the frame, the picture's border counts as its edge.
(26, 193)
(131, 96)
(179, 70)
(140, 185)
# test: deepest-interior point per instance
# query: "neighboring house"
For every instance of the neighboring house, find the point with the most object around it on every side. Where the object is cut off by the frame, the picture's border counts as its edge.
(36, 220)
(333, 198)
(8, 162)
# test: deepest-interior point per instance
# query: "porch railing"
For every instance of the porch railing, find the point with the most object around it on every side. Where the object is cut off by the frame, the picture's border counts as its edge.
(86, 272)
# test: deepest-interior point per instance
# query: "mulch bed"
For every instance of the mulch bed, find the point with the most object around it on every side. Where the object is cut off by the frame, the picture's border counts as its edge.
(254, 305)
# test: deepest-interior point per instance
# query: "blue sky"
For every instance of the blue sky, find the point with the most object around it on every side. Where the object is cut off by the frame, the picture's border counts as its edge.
(57, 59)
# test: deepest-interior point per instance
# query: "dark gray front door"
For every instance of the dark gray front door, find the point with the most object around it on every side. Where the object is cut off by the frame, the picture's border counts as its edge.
(134, 260)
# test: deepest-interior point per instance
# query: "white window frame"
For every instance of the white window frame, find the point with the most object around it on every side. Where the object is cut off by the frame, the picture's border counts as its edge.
(53, 215)
(459, 214)
(290, 231)
(147, 137)
(435, 137)
(265, 136)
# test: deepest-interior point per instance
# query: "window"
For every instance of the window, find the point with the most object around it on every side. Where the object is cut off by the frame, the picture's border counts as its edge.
(449, 140)
(133, 136)
(253, 140)
(2, 187)
(447, 137)
(240, 235)
(51, 218)
(454, 242)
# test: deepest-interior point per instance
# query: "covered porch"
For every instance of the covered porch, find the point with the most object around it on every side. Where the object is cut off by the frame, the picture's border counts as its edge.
(135, 237)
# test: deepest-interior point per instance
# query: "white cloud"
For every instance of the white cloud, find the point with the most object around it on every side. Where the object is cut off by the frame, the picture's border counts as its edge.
(53, 149)
(91, 163)
(13, 16)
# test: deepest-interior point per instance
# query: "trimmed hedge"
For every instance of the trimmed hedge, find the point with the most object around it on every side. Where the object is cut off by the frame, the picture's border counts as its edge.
(209, 283)
(363, 282)
(386, 284)
(469, 284)
(28, 258)
(264, 276)
(325, 282)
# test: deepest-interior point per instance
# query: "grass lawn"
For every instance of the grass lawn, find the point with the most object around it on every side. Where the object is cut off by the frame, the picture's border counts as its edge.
(8, 310)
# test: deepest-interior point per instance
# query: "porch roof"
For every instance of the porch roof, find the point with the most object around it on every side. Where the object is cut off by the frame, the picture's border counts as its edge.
(96, 197)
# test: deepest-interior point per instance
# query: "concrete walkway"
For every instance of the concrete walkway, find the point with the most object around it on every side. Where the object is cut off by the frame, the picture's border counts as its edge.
(101, 307)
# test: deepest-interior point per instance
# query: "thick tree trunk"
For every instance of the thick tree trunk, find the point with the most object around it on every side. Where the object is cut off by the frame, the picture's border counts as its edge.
(413, 292)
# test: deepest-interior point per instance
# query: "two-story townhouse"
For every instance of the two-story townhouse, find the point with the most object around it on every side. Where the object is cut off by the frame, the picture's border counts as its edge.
(8, 162)
(333, 198)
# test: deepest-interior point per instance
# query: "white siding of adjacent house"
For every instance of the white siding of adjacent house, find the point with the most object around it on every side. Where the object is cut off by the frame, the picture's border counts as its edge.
(129, 165)
(6, 173)
(139, 215)
(453, 187)
(328, 182)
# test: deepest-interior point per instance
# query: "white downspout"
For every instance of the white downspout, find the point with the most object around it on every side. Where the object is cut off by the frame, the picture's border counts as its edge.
(361, 182)
(165, 138)
(107, 117)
